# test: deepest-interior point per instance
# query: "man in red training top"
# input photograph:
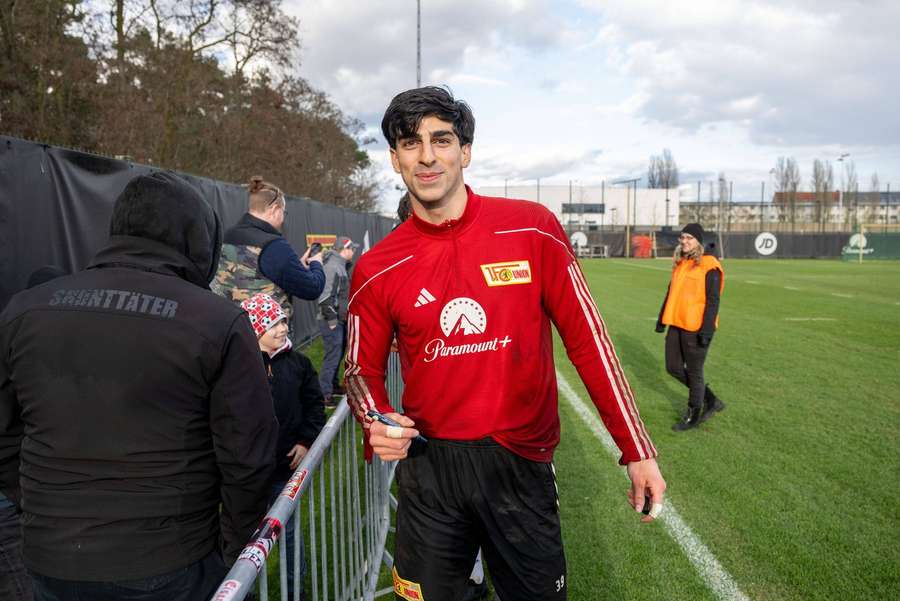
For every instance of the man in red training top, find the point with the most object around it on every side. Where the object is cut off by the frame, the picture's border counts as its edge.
(469, 285)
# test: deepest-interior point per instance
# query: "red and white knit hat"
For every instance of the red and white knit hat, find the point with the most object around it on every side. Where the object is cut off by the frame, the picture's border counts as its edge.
(264, 312)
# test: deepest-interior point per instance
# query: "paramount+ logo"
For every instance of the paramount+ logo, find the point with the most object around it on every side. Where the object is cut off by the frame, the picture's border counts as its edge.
(460, 318)
(507, 273)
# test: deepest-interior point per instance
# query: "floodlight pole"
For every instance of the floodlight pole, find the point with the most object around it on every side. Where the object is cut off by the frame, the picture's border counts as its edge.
(628, 215)
(418, 43)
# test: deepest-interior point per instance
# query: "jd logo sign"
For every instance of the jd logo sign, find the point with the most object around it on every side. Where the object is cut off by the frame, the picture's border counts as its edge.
(766, 243)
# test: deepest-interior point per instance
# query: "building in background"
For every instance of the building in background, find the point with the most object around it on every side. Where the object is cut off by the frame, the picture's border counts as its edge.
(611, 208)
(806, 212)
(598, 208)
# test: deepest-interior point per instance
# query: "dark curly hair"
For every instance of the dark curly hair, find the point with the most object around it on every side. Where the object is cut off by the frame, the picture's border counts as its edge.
(407, 109)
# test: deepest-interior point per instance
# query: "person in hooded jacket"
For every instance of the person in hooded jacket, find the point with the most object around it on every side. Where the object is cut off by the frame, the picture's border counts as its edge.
(136, 428)
(298, 405)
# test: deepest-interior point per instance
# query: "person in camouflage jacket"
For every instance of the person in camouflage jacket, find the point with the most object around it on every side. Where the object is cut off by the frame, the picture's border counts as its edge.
(256, 258)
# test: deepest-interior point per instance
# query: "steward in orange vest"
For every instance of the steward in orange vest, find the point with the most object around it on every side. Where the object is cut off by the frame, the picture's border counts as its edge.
(685, 304)
(691, 310)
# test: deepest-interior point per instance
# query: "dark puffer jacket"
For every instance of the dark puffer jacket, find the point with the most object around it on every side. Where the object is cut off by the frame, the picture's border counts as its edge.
(299, 405)
(136, 401)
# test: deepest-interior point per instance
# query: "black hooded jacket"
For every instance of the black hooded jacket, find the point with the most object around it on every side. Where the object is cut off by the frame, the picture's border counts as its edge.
(137, 404)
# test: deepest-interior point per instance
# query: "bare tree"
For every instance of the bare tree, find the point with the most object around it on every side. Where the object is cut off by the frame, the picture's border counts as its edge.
(249, 30)
(849, 179)
(822, 183)
(787, 181)
(202, 86)
(663, 171)
(850, 188)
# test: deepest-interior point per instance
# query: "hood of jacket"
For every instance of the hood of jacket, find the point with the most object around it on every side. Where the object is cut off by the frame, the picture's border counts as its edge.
(148, 255)
(165, 210)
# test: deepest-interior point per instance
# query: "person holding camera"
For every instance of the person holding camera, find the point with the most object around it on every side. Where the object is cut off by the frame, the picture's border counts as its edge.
(256, 258)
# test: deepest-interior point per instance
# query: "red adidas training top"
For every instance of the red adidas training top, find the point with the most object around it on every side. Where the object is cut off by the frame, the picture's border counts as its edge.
(471, 303)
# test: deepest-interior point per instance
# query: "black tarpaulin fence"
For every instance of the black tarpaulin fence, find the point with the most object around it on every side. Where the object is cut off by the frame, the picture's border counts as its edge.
(55, 206)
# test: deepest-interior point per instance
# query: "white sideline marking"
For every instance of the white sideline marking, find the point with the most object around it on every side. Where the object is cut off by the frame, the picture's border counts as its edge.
(752, 282)
(710, 570)
(810, 319)
(841, 295)
(792, 288)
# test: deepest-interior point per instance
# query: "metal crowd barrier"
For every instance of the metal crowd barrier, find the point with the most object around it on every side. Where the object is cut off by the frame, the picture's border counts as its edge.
(346, 504)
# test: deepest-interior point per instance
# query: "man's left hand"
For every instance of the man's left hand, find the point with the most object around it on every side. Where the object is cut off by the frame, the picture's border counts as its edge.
(646, 480)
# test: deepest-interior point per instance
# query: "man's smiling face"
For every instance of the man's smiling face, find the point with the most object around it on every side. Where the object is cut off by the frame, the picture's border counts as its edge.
(431, 162)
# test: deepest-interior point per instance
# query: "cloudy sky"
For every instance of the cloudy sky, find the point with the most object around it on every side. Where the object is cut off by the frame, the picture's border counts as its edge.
(588, 90)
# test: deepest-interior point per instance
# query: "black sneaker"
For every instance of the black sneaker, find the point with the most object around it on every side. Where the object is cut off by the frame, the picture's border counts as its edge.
(690, 420)
(475, 591)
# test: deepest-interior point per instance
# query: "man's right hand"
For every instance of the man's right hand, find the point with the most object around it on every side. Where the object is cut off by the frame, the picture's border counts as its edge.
(391, 443)
(305, 259)
(660, 327)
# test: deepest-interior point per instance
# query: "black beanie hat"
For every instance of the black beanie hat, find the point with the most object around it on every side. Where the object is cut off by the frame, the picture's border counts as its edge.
(695, 230)
(166, 208)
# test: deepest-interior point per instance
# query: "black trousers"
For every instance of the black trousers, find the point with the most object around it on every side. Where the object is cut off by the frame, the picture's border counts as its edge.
(195, 582)
(15, 584)
(684, 362)
(455, 497)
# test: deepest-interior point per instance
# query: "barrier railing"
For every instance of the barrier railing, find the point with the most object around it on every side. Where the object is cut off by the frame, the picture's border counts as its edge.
(347, 508)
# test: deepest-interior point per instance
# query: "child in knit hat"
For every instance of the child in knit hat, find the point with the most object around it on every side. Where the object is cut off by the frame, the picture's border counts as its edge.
(298, 403)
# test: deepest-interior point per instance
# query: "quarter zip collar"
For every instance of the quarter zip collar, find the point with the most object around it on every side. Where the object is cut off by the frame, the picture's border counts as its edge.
(452, 227)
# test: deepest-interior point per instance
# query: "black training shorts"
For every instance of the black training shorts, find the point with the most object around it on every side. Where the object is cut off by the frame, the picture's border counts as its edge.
(455, 497)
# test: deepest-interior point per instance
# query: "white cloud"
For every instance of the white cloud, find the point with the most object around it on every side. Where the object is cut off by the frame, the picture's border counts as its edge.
(363, 53)
(796, 72)
(728, 85)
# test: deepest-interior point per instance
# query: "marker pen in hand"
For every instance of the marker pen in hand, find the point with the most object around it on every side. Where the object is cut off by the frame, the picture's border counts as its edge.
(389, 422)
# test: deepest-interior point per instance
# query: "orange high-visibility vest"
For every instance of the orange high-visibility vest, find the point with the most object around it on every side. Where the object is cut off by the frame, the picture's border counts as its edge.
(687, 293)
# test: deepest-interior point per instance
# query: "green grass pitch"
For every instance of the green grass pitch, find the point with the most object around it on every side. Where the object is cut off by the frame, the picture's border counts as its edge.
(795, 487)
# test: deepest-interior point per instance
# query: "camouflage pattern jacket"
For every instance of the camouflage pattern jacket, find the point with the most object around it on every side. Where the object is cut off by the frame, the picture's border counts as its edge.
(239, 276)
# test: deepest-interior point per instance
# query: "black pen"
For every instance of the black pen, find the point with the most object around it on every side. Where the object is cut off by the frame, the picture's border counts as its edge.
(389, 422)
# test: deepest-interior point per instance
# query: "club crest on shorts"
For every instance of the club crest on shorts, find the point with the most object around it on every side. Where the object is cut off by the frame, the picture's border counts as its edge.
(507, 273)
(405, 589)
